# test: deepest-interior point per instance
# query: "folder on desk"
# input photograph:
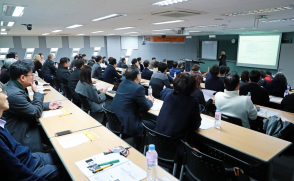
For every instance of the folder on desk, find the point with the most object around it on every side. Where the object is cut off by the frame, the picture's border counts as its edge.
(73, 140)
(56, 112)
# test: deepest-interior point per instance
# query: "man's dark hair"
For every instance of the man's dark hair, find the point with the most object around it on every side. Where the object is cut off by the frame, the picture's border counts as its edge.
(79, 63)
(227, 69)
(281, 78)
(40, 54)
(222, 69)
(134, 61)
(103, 57)
(21, 67)
(153, 58)
(11, 55)
(254, 76)
(86, 74)
(139, 58)
(245, 76)
(175, 64)
(184, 84)
(93, 57)
(84, 55)
(231, 81)
(262, 74)
(156, 64)
(76, 57)
(98, 58)
(180, 65)
(164, 60)
(214, 70)
(146, 63)
(111, 60)
(131, 73)
(123, 59)
(64, 60)
(162, 67)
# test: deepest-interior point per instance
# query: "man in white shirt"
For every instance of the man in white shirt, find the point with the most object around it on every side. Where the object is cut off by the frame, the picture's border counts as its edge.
(233, 105)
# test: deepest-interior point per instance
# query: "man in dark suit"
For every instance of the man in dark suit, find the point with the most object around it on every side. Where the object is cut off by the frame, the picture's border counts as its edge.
(92, 61)
(49, 69)
(146, 73)
(104, 61)
(214, 83)
(23, 112)
(222, 73)
(73, 61)
(74, 79)
(140, 63)
(63, 73)
(259, 95)
(97, 70)
(288, 103)
(110, 72)
(129, 101)
(223, 59)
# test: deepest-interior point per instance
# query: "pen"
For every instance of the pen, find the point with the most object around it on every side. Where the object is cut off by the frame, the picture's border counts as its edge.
(65, 114)
(107, 163)
(88, 136)
(102, 168)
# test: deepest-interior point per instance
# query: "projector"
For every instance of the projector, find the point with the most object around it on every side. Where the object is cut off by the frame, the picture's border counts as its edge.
(212, 36)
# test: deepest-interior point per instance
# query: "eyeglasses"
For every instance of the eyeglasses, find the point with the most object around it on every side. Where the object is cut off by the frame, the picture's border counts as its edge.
(30, 75)
(4, 92)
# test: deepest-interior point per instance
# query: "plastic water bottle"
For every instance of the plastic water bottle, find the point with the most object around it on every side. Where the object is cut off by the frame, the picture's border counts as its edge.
(152, 161)
(286, 93)
(175, 75)
(249, 95)
(218, 116)
(288, 87)
(149, 91)
(36, 76)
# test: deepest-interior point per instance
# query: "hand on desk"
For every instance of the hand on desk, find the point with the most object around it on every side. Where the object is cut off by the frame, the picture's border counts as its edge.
(151, 98)
(34, 87)
(94, 82)
(53, 105)
(103, 90)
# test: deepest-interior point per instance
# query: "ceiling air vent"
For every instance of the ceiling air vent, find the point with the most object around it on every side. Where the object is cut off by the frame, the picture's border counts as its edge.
(178, 13)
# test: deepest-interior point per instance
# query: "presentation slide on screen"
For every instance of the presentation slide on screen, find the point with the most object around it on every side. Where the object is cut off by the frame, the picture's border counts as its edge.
(261, 51)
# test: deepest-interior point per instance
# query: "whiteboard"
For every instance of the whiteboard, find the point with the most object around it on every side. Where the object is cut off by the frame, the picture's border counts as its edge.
(209, 49)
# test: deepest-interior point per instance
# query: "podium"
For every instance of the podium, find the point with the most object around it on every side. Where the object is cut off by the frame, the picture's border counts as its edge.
(189, 64)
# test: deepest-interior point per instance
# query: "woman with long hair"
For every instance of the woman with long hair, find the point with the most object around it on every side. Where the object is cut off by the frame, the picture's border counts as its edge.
(38, 65)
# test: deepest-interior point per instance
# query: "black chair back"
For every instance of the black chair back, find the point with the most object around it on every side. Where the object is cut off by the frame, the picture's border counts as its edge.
(56, 84)
(232, 120)
(85, 104)
(201, 166)
(113, 123)
(66, 91)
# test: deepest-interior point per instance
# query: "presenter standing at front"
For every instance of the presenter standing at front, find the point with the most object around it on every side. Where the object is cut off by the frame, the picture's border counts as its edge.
(223, 59)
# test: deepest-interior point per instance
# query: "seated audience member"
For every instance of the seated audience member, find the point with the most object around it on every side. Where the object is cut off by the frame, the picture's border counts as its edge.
(277, 86)
(74, 79)
(97, 69)
(214, 83)
(259, 95)
(119, 62)
(18, 162)
(124, 63)
(152, 63)
(155, 66)
(73, 62)
(129, 101)
(38, 65)
(10, 55)
(198, 93)
(165, 61)
(92, 61)
(104, 61)
(49, 69)
(174, 70)
(42, 58)
(222, 72)
(244, 78)
(181, 67)
(159, 80)
(169, 122)
(195, 68)
(233, 105)
(5, 77)
(140, 63)
(146, 73)
(269, 76)
(170, 79)
(135, 62)
(227, 69)
(86, 88)
(288, 103)
(262, 82)
(23, 113)
(63, 73)
(110, 72)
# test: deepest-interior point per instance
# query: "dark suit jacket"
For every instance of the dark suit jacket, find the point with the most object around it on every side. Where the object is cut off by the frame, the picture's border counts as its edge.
(97, 71)
(73, 81)
(259, 95)
(214, 83)
(262, 82)
(146, 74)
(276, 88)
(110, 73)
(22, 116)
(5, 77)
(105, 62)
(200, 96)
(223, 60)
(62, 75)
(141, 67)
(91, 63)
(288, 103)
(38, 68)
(123, 65)
(128, 102)
(49, 68)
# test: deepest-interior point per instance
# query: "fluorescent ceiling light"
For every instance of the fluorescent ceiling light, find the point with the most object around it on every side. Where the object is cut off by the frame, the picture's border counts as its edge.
(3, 29)
(124, 28)
(55, 31)
(18, 11)
(97, 48)
(259, 11)
(168, 2)
(6, 23)
(130, 32)
(110, 34)
(277, 20)
(76, 49)
(30, 49)
(159, 33)
(129, 52)
(74, 26)
(3, 33)
(239, 29)
(194, 31)
(10, 24)
(97, 32)
(109, 17)
(80, 34)
(168, 22)
(4, 50)
(53, 49)
(202, 26)
(45, 33)
(162, 30)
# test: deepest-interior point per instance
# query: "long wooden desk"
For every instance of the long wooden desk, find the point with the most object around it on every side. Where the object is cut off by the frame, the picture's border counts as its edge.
(107, 140)
(77, 121)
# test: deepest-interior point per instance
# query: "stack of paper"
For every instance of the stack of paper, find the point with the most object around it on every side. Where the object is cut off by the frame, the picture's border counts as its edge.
(279, 100)
(57, 112)
(156, 106)
(208, 94)
(206, 123)
(266, 113)
(146, 83)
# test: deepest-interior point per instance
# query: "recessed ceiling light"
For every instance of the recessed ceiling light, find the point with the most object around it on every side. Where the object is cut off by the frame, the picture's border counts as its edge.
(3, 29)
(277, 20)
(218, 19)
(10, 24)
(259, 11)
(55, 31)
(2, 33)
(194, 31)
(97, 32)
(168, 2)
(167, 22)
(109, 17)
(18, 11)
(239, 29)
(201, 26)
(159, 33)
(80, 34)
(162, 30)
(130, 32)
(45, 33)
(124, 28)
(74, 26)
(11, 10)
(6, 23)
(110, 34)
